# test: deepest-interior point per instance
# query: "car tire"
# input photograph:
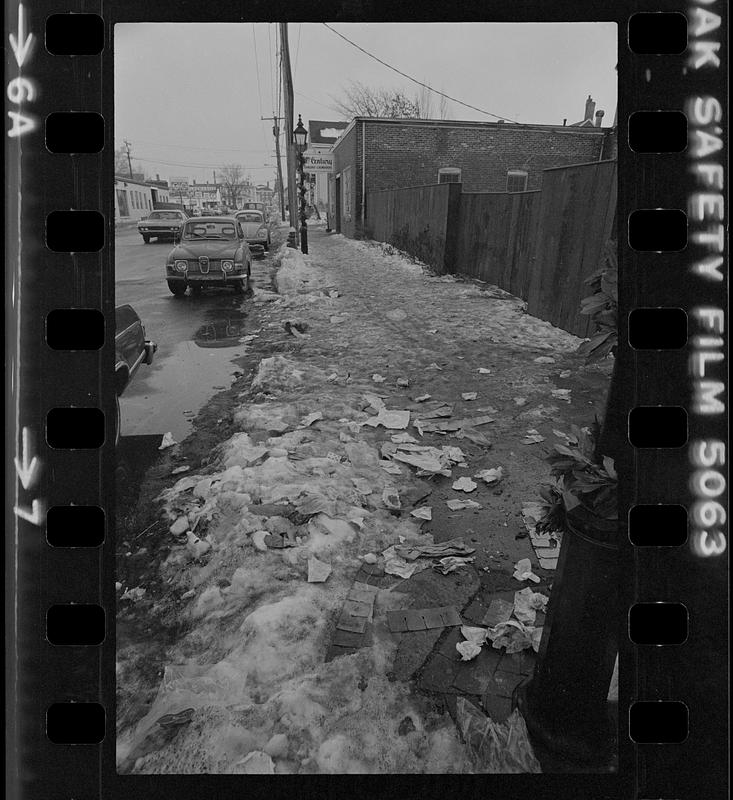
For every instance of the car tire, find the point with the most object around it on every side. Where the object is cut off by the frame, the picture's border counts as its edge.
(177, 288)
(146, 239)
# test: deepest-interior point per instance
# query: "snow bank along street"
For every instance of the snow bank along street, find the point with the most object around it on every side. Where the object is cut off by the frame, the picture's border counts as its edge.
(337, 578)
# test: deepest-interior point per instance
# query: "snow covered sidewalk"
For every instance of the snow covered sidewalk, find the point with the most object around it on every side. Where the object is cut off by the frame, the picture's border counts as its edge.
(322, 470)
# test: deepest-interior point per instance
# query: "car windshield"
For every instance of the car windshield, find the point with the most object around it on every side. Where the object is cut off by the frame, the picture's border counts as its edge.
(250, 216)
(165, 215)
(209, 230)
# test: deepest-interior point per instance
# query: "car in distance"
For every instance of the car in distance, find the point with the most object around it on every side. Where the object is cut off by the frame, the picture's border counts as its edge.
(211, 251)
(161, 225)
(131, 350)
(253, 205)
(255, 229)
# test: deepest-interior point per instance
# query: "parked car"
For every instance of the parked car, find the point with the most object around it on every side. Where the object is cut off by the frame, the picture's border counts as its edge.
(212, 251)
(162, 225)
(255, 229)
(131, 350)
(255, 206)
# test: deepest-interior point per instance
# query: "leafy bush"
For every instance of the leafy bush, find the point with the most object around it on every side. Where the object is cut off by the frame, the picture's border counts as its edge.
(602, 307)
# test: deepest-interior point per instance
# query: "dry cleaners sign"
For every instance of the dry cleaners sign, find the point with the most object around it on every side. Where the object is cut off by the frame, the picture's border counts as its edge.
(318, 162)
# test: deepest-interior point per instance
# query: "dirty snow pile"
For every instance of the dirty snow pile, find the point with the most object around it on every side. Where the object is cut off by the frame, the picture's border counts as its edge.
(294, 484)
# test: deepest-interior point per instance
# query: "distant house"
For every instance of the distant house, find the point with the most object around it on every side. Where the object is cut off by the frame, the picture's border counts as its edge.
(133, 198)
(373, 154)
(265, 193)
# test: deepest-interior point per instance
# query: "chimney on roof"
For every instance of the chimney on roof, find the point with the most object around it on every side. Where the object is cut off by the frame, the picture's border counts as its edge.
(565, 121)
(157, 177)
(599, 118)
(590, 107)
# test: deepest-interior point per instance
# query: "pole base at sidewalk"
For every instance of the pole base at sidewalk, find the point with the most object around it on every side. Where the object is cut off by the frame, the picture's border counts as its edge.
(577, 738)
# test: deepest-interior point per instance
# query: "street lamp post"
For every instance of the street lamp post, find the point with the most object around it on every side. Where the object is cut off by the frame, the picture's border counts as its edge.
(300, 134)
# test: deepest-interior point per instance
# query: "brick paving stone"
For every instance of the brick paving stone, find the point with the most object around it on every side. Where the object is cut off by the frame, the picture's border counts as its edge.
(437, 675)
(505, 682)
(357, 609)
(498, 708)
(432, 617)
(469, 678)
(499, 611)
(518, 663)
(397, 620)
(348, 623)
(448, 645)
(348, 639)
(334, 652)
(475, 612)
(415, 622)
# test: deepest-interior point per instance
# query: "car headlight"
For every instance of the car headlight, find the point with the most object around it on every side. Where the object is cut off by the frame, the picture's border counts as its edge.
(181, 266)
(228, 266)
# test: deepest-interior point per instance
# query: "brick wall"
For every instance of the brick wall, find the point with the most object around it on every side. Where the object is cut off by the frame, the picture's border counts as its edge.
(345, 156)
(408, 154)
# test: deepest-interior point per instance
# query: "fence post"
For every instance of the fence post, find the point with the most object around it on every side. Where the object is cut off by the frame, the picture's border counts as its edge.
(450, 253)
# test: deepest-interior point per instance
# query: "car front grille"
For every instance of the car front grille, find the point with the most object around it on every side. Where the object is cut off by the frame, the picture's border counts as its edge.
(203, 266)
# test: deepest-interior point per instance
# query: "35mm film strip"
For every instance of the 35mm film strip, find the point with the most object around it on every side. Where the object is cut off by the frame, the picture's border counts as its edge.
(667, 413)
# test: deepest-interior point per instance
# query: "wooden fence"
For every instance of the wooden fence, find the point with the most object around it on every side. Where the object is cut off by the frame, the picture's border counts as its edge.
(538, 245)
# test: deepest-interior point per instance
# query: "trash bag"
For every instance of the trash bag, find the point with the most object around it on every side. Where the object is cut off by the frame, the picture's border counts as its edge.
(496, 747)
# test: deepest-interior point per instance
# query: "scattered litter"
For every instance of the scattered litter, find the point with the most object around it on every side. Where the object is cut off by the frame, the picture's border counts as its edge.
(460, 505)
(369, 558)
(444, 410)
(473, 436)
(317, 570)
(179, 470)
(396, 314)
(403, 438)
(425, 512)
(483, 371)
(196, 547)
(255, 763)
(496, 747)
(464, 485)
(167, 441)
(310, 419)
(333, 294)
(452, 563)
(488, 410)
(434, 366)
(468, 650)
(377, 378)
(362, 485)
(562, 394)
(258, 540)
(469, 395)
(562, 435)
(533, 437)
(474, 634)
(453, 547)
(395, 565)
(375, 401)
(424, 463)
(332, 377)
(544, 360)
(455, 424)
(403, 381)
(337, 319)
(423, 398)
(295, 328)
(180, 718)
(133, 594)
(432, 330)
(520, 401)
(566, 373)
(391, 467)
(527, 603)
(490, 476)
(391, 498)
(394, 420)
(515, 636)
(523, 571)
(499, 611)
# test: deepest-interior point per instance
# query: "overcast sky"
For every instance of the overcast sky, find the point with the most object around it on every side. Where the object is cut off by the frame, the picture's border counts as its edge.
(189, 97)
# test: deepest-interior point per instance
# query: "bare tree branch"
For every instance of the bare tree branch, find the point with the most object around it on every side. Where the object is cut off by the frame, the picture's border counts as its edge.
(233, 182)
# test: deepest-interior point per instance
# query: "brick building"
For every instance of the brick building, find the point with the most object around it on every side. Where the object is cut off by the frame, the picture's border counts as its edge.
(374, 154)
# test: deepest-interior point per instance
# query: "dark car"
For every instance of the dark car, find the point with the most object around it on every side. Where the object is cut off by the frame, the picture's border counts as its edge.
(162, 225)
(212, 251)
(131, 350)
(255, 229)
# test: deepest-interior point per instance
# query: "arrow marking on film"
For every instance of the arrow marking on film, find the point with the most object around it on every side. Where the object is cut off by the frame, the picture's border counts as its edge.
(22, 44)
(35, 516)
(27, 470)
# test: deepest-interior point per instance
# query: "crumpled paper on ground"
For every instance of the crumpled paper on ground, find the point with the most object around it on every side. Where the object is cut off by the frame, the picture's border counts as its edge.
(464, 485)
(394, 420)
(498, 748)
(452, 563)
(474, 638)
(255, 763)
(318, 571)
(425, 512)
(167, 441)
(396, 565)
(490, 476)
(515, 636)
(453, 547)
(459, 505)
(527, 603)
(523, 571)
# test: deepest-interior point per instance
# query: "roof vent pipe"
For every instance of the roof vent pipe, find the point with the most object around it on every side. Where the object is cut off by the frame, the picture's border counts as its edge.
(599, 118)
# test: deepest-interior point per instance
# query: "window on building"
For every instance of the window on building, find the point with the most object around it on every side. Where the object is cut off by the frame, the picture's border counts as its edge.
(516, 180)
(449, 175)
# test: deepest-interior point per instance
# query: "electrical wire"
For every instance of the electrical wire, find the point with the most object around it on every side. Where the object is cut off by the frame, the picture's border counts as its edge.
(414, 80)
(257, 68)
(195, 166)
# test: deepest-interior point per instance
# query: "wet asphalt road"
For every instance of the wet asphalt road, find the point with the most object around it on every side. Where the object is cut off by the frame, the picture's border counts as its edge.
(197, 338)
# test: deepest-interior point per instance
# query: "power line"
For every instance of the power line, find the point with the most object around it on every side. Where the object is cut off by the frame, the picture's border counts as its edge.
(207, 149)
(313, 100)
(257, 67)
(414, 80)
(196, 166)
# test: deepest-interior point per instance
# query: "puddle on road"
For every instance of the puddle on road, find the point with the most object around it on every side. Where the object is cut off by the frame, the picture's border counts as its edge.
(168, 396)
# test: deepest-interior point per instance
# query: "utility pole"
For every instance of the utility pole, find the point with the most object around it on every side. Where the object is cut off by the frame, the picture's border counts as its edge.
(276, 134)
(287, 78)
(128, 145)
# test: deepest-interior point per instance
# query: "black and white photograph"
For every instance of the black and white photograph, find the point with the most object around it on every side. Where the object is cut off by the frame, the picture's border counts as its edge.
(366, 320)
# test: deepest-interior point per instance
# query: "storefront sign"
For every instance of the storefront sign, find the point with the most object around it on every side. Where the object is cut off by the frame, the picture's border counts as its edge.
(318, 162)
